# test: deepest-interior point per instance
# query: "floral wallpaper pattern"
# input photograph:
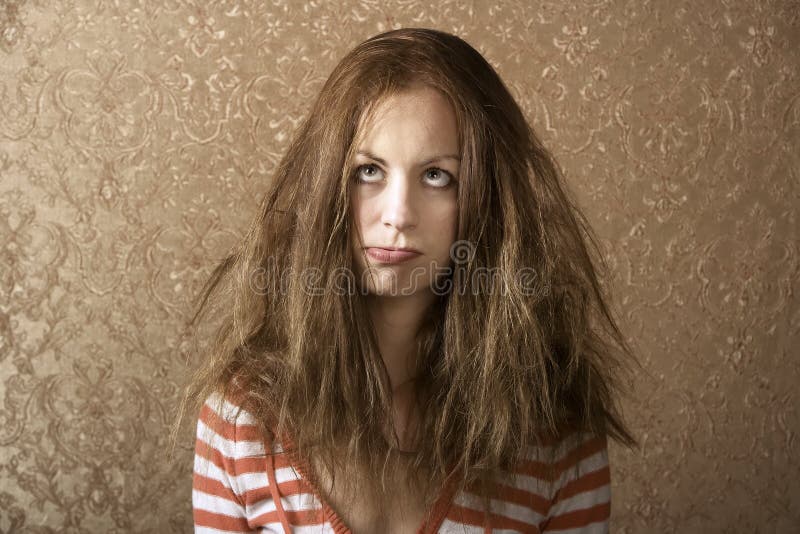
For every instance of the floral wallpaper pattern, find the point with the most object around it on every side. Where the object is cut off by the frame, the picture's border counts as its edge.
(136, 139)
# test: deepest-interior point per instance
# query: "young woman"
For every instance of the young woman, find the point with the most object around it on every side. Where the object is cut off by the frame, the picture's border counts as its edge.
(414, 337)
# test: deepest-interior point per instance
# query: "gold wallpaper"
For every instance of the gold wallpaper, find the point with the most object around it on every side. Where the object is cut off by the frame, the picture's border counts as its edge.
(136, 138)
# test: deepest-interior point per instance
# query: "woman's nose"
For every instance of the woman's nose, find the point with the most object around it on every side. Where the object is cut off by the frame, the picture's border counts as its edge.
(399, 208)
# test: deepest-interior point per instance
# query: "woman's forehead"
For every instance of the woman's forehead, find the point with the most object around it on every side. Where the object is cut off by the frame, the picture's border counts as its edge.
(422, 112)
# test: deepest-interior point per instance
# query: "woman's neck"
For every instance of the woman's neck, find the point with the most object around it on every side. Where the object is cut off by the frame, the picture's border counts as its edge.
(396, 321)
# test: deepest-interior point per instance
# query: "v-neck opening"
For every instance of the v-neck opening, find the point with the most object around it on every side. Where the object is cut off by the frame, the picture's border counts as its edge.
(433, 518)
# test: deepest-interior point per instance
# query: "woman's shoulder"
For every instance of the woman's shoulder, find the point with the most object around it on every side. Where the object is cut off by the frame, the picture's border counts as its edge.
(226, 411)
(560, 460)
(226, 424)
(567, 448)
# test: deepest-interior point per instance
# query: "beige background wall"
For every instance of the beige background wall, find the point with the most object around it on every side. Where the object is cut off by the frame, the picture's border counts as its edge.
(136, 138)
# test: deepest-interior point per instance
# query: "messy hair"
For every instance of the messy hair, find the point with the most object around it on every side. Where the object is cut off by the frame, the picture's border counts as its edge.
(500, 372)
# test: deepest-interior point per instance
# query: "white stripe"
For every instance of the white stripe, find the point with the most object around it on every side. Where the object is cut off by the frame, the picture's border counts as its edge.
(451, 527)
(296, 503)
(300, 502)
(588, 465)
(226, 447)
(264, 506)
(528, 483)
(217, 505)
(209, 470)
(209, 530)
(286, 474)
(582, 500)
(251, 481)
(536, 452)
(325, 528)
(238, 484)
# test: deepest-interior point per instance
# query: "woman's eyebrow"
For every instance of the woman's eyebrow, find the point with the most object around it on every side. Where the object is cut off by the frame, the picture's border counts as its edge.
(370, 155)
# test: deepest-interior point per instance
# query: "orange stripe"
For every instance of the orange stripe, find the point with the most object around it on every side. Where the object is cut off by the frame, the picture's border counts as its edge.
(226, 429)
(306, 517)
(213, 487)
(269, 517)
(232, 466)
(286, 489)
(212, 454)
(579, 518)
(254, 496)
(533, 468)
(250, 464)
(237, 393)
(582, 451)
(522, 497)
(203, 518)
(588, 482)
(295, 487)
(282, 460)
(476, 518)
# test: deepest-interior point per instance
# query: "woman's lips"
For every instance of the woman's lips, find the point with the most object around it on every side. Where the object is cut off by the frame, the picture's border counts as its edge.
(390, 256)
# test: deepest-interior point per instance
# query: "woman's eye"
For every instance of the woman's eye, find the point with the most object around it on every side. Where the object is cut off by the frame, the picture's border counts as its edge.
(370, 176)
(442, 179)
(438, 178)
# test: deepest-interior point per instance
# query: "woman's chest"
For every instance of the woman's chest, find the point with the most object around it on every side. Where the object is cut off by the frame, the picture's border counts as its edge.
(365, 509)
(365, 517)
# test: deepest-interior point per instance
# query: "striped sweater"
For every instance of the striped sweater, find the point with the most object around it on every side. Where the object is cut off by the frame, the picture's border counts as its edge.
(237, 487)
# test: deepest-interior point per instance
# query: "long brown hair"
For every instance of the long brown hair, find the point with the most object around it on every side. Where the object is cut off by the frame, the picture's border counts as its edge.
(499, 371)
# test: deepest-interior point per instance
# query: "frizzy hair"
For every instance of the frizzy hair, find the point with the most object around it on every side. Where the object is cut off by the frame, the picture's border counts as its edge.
(499, 372)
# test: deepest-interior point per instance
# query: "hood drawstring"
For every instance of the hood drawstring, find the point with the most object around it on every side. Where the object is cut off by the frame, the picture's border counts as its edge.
(276, 496)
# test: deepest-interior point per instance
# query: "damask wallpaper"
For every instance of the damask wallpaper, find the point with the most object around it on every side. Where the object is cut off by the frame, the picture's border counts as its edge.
(136, 138)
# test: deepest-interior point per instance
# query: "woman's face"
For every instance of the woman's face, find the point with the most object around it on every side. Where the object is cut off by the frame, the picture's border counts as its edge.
(405, 193)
